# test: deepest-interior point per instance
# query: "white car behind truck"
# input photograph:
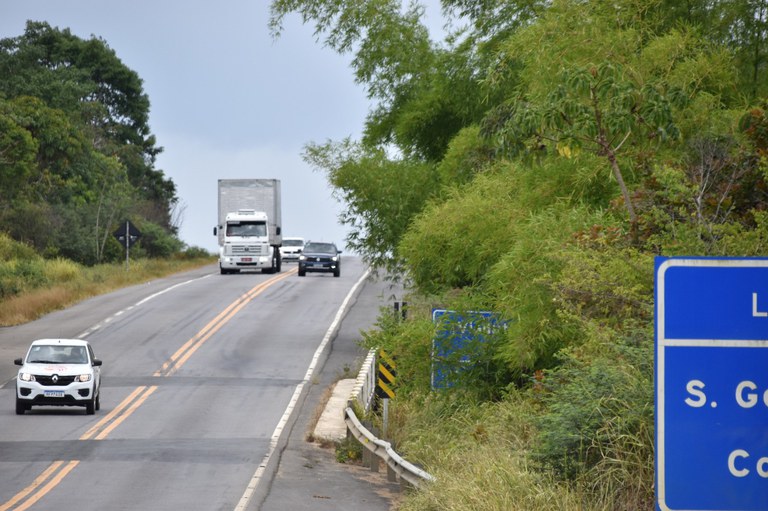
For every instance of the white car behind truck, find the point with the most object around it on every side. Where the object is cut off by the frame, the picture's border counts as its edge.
(292, 248)
(249, 226)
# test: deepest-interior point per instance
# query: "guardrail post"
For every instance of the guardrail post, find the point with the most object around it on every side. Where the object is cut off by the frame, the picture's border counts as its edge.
(374, 457)
(367, 454)
(391, 474)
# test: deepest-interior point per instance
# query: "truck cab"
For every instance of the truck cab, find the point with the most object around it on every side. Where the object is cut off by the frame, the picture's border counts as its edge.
(246, 243)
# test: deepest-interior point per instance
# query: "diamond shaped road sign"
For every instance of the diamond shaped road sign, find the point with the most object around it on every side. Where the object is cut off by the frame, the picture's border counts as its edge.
(127, 234)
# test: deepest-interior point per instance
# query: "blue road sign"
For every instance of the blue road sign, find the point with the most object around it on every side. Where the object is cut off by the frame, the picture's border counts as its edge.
(711, 384)
(456, 342)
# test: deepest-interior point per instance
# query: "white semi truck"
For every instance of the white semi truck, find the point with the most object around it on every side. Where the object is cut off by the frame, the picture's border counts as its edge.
(249, 227)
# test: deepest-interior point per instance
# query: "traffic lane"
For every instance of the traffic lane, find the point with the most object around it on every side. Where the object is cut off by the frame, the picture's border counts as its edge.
(280, 331)
(309, 477)
(248, 349)
(85, 315)
(142, 338)
(184, 448)
(184, 442)
(182, 425)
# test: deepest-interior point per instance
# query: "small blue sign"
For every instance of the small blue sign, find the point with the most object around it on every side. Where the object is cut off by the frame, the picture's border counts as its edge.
(711, 384)
(457, 340)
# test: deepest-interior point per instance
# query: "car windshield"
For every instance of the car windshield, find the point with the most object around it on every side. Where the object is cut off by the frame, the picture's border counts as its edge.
(247, 229)
(292, 243)
(58, 354)
(326, 248)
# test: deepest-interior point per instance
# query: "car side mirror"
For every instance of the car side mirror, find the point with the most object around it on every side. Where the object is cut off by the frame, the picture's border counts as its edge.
(18, 362)
(215, 231)
(96, 362)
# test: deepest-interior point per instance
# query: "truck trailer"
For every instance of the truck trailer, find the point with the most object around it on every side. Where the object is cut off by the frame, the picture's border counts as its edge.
(249, 225)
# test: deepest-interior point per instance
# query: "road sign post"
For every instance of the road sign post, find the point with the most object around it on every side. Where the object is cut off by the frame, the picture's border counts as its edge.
(711, 384)
(127, 235)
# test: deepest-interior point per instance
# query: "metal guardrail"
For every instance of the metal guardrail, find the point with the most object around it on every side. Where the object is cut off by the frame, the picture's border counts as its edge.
(383, 450)
(362, 394)
(365, 385)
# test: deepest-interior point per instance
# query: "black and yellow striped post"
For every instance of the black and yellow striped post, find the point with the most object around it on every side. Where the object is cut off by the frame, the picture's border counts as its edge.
(386, 376)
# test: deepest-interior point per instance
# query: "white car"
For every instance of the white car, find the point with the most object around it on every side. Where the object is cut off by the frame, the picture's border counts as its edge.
(58, 372)
(291, 249)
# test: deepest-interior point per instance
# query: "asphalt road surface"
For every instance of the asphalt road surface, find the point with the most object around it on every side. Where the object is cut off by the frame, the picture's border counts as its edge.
(210, 383)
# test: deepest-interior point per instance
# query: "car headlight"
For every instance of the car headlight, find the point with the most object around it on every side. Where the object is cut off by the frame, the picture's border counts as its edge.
(26, 377)
(334, 258)
(84, 377)
(302, 257)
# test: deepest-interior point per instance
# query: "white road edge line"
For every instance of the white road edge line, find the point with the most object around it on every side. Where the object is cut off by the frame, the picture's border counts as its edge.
(95, 327)
(254, 482)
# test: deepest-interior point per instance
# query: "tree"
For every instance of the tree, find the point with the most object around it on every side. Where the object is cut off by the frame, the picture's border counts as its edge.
(594, 83)
(17, 153)
(382, 196)
(87, 81)
(75, 144)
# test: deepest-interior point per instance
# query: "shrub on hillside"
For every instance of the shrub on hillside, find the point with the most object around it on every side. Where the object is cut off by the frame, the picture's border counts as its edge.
(10, 249)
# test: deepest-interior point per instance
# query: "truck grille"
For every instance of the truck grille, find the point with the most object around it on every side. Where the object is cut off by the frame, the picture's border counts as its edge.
(246, 250)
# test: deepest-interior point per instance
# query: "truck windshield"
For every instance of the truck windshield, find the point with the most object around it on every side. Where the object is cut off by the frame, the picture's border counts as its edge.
(247, 229)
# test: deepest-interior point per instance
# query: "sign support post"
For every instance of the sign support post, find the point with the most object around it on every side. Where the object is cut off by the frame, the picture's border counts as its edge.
(127, 237)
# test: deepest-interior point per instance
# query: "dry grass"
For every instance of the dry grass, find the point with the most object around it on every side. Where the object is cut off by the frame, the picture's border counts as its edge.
(313, 420)
(71, 284)
(31, 305)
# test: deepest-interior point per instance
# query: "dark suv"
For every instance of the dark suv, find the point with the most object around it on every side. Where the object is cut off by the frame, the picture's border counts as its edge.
(320, 256)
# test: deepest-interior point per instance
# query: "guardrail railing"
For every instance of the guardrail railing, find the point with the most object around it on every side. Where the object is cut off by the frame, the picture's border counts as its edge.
(383, 450)
(362, 394)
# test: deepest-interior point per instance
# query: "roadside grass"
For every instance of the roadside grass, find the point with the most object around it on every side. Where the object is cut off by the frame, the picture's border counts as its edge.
(29, 290)
(479, 456)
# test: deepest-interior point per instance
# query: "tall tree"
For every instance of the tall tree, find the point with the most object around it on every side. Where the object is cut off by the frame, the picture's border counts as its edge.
(86, 79)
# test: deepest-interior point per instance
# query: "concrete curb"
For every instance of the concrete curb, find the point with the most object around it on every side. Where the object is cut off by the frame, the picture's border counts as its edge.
(331, 425)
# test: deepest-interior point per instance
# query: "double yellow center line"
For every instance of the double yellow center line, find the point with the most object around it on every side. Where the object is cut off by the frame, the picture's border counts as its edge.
(191, 346)
(56, 472)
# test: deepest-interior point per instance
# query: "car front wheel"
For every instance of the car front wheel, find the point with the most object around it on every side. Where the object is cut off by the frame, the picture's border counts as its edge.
(21, 407)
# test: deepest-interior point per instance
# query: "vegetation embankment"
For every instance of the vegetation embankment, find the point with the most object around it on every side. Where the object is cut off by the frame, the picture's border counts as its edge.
(31, 286)
(532, 164)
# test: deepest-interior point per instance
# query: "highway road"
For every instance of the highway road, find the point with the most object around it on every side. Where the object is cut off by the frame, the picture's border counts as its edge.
(203, 375)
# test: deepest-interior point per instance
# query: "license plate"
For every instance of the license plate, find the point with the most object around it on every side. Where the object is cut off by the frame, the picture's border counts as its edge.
(247, 259)
(53, 393)
(316, 265)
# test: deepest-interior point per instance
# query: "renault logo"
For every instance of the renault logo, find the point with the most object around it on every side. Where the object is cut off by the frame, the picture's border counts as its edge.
(55, 378)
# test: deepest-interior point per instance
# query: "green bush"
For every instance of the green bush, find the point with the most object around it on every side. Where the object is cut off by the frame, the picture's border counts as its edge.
(157, 242)
(523, 286)
(10, 284)
(61, 270)
(194, 253)
(599, 415)
(10, 249)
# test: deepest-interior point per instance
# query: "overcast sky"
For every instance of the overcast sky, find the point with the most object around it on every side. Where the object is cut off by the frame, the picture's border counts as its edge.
(227, 101)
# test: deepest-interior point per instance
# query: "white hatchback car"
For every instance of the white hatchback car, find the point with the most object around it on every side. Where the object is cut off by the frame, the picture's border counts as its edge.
(59, 372)
(291, 249)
